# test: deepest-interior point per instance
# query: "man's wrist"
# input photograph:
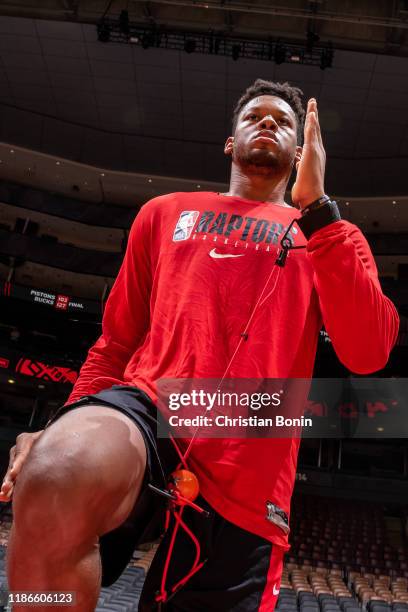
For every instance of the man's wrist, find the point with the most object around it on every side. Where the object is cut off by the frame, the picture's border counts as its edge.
(314, 204)
(313, 220)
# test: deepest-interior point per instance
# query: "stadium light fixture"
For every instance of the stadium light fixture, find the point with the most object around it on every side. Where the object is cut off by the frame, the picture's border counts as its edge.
(279, 54)
(326, 58)
(236, 52)
(311, 40)
(124, 22)
(103, 31)
(210, 42)
(147, 40)
(190, 45)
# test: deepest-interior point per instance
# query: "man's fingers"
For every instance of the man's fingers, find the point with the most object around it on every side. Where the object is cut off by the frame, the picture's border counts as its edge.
(7, 480)
(12, 455)
(6, 489)
(319, 132)
(18, 455)
(7, 486)
(5, 496)
(18, 462)
(310, 128)
(314, 109)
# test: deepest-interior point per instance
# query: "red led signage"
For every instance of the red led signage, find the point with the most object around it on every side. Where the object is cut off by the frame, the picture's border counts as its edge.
(61, 302)
(4, 363)
(50, 373)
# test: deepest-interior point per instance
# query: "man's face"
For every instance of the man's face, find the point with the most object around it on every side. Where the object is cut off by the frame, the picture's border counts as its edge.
(265, 139)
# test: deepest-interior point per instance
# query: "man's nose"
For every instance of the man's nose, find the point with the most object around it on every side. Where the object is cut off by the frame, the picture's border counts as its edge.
(268, 123)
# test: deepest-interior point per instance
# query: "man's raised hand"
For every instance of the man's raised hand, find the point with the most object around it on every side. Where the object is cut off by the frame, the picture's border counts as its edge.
(309, 184)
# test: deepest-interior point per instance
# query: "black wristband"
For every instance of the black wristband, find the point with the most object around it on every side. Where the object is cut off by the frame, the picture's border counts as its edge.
(318, 218)
(315, 204)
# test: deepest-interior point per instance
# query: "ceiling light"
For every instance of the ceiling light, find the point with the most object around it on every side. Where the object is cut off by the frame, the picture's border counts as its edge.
(326, 57)
(11, 381)
(279, 54)
(236, 51)
(190, 45)
(122, 30)
(124, 22)
(215, 44)
(147, 40)
(311, 39)
(103, 31)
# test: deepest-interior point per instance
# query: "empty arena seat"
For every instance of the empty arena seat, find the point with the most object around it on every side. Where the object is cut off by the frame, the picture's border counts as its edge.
(347, 603)
(378, 605)
(286, 607)
(287, 599)
(113, 608)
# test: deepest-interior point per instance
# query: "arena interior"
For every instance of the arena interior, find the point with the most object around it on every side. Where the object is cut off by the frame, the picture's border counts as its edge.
(100, 113)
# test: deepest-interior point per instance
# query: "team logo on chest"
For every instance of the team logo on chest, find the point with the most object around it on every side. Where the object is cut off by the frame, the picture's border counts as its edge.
(185, 225)
(233, 229)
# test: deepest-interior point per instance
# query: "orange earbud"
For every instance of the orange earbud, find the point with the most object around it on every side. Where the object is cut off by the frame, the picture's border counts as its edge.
(184, 483)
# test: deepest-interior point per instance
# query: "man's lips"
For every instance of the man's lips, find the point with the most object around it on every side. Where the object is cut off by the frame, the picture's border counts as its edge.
(266, 136)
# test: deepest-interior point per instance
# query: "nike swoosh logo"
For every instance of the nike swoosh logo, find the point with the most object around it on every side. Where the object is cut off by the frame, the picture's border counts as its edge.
(213, 253)
(275, 590)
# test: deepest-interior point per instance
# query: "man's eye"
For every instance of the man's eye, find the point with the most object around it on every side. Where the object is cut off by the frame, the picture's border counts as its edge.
(253, 116)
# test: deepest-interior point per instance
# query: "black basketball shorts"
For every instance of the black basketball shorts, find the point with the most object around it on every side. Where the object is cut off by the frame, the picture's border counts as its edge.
(242, 571)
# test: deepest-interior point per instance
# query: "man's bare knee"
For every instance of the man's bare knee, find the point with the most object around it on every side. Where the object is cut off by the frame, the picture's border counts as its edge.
(84, 473)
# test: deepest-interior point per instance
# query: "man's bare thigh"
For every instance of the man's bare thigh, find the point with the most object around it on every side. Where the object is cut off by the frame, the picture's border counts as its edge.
(98, 451)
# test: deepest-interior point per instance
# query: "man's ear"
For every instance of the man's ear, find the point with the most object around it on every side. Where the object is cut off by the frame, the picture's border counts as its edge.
(298, 156)
(229, 145)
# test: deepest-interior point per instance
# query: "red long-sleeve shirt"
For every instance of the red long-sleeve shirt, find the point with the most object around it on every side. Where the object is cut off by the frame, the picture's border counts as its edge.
(176, 311)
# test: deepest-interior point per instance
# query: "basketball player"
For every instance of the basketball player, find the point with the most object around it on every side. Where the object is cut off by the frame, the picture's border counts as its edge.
(193, 270)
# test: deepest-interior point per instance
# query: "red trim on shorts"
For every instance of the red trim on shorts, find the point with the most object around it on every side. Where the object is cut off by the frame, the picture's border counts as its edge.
(273, 580)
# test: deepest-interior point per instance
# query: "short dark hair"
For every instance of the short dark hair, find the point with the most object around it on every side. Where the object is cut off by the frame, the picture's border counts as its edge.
(291, 95)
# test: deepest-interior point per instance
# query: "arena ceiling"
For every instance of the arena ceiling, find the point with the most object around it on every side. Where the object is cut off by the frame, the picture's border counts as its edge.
(379, 26)
(165, 112)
